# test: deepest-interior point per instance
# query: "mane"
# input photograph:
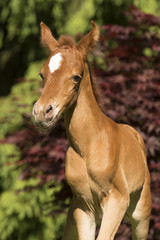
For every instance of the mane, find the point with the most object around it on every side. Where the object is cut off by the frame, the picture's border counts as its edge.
(96, 89)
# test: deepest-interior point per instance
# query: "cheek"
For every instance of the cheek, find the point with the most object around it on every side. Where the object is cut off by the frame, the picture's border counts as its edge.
(69, 95)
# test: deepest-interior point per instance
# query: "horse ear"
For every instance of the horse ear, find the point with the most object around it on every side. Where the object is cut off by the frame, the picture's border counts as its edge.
(88, 42)
(47, 38)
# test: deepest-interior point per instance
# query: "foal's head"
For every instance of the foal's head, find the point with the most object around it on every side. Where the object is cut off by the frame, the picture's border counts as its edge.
(62, 74)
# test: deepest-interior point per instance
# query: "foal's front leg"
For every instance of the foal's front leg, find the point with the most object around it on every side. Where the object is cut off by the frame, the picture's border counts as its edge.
(80, 223)
(113, 213)
(70, 231)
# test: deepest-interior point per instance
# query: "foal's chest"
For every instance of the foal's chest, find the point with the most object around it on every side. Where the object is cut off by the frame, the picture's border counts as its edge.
(77, 176)
(76, 173)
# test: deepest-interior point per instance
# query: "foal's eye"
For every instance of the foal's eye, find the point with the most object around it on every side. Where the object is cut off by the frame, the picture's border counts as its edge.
(41, 75)
(77, 78)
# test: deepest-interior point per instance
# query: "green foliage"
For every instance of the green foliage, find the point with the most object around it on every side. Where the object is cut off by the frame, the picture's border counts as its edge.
(26, 208)
(18, 104)
(152, 6)
(84, 11)
(20, 30)
(25, 211)
(148, 52)
(34, 69)
(103, 11)
(9, 155)
(19, 34)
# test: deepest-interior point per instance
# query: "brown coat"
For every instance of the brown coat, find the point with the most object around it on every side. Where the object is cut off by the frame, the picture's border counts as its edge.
(106, 165)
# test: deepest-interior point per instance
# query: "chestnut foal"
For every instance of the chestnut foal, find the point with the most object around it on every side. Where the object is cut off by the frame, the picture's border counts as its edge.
(106, 165)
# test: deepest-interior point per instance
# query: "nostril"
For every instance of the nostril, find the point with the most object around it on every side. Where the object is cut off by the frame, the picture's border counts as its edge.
(49, 109)
(49, 113)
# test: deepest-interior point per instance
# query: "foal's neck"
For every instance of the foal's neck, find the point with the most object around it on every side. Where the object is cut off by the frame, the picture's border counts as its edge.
(83, 120)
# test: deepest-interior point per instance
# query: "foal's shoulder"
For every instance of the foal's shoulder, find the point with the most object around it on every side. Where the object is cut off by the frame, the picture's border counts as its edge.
(134, 133)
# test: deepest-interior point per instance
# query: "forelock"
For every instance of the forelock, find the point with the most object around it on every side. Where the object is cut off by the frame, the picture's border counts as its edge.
(67, 41)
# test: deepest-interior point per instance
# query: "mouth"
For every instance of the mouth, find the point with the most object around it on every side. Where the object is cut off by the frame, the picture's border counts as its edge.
(47, 126)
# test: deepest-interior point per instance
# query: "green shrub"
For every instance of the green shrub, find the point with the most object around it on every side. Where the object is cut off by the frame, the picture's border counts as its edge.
(26, 206)
(17, 105)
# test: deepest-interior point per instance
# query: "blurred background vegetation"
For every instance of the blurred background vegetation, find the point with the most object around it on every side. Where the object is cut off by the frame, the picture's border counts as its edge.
(33, 195)
(19, 28)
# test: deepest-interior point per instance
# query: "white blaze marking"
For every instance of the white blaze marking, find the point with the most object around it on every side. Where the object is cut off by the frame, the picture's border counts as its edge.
(55, 62)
